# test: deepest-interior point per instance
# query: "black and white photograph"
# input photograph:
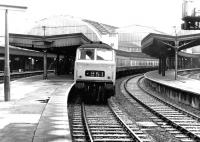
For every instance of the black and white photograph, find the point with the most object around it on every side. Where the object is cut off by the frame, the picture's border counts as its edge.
(99, 71)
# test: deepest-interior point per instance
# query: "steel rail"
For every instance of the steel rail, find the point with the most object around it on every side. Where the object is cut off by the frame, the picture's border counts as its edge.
(87, 129)
(180, 128)
(126, 127)
(170, 104)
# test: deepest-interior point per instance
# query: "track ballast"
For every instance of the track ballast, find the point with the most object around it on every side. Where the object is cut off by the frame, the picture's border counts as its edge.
(180, 123)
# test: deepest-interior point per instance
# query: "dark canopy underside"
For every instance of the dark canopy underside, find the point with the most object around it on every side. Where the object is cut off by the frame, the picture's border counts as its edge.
(157, 45)
(57, 44)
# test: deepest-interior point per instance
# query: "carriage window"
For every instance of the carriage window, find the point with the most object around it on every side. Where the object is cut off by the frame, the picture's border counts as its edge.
(104, 54)
(86, 54)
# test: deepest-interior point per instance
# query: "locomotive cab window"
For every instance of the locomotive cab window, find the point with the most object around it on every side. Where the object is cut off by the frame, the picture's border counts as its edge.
(104, 54)
(86, 54)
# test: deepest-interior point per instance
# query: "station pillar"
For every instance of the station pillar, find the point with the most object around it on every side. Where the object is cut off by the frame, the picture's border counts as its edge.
(171, 63)
(171, 60)
(176, 62)
(163, 68)
(45, 64)
(6, 64)
(167, 63)
(159, 65)
(182, 62)
(57, 64)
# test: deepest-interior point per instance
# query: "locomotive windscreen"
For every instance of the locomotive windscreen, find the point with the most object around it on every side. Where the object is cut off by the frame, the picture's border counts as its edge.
(86, 54)
(101, 54)
(104, 54)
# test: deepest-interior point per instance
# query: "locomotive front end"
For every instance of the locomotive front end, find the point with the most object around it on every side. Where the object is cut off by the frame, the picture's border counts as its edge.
(95, 70)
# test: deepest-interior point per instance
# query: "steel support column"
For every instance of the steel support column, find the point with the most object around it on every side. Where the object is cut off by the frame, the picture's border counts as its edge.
(57, 64)
(6, 62)
(176, 62)
(171, 63)
(167, 64)
(45, 65)
(159, 65)
(163, 65)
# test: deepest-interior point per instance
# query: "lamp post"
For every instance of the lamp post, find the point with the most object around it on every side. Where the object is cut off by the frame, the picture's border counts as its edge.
(45, 55)
(176, 53)
(6, 61)
(176, 58)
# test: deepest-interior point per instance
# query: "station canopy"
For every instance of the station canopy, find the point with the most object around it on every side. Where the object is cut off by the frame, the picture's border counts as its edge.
(51, 33)
(61, 34)
(157, 45)
(65, 44)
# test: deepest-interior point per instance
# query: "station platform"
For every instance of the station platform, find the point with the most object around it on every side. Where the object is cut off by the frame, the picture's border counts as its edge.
(182, 90)
(37, 111)
(182, 83)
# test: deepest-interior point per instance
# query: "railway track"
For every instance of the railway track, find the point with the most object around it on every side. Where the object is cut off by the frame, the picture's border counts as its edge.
(17, 75)
(182, 124)
(104, 123)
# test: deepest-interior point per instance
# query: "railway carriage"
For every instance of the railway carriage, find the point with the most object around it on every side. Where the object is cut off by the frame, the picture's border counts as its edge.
(97, 64)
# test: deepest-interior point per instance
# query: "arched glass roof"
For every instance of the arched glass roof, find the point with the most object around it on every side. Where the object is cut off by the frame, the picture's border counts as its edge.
(102, 28)
(135, 33)
(57, 25)
(64, 24)
(129, 38)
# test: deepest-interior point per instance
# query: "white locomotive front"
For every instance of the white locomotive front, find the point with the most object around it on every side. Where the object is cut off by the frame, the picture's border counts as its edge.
(95, 70)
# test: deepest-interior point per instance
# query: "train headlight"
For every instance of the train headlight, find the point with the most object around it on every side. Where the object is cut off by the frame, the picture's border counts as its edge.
(109, 77)
(80, 76)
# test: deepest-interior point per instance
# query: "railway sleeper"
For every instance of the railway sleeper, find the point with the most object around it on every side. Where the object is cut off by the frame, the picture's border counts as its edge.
(114, 140)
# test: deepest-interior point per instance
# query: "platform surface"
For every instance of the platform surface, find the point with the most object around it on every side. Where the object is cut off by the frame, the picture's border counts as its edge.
(183, 83)
(29, 116)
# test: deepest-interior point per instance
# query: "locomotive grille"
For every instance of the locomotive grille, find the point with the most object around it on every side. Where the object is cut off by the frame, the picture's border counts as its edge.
(92, 73)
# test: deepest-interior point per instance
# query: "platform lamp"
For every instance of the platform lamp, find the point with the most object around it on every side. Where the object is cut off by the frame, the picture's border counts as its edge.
(45, 55)
(6, 61)
(176, 52)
